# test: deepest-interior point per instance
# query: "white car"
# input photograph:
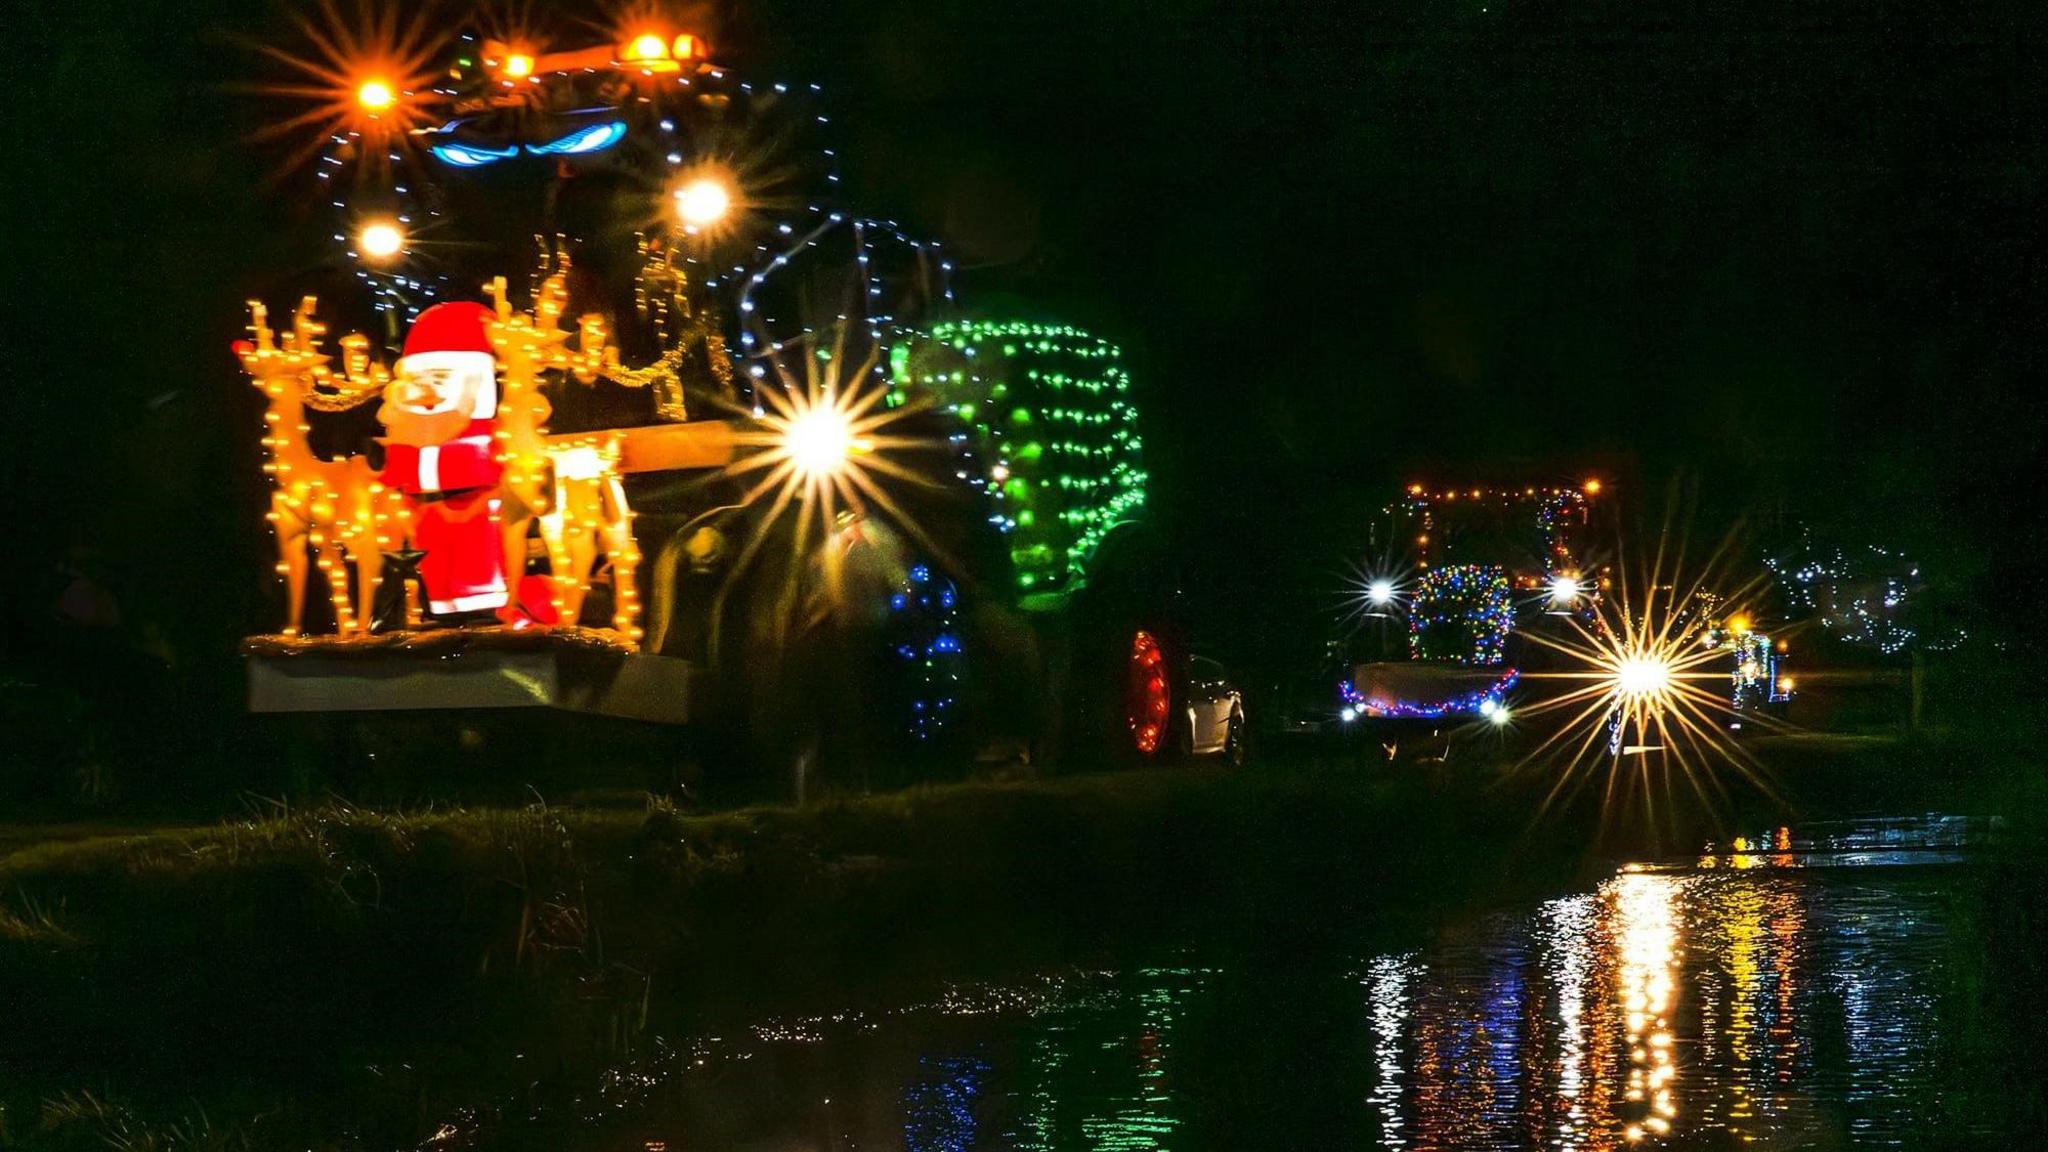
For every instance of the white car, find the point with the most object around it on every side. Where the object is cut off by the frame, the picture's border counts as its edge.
(1214, 712)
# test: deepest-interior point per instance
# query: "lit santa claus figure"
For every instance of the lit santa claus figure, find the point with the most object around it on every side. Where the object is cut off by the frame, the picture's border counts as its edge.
(439, 414)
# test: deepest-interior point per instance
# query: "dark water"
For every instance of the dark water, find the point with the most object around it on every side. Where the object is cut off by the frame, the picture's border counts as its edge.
(1796, 990)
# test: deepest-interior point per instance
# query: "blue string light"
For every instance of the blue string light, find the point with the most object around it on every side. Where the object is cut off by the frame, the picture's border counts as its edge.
(924, 613)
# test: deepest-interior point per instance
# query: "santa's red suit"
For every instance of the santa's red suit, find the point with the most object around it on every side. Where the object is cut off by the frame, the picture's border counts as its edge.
(452, 485)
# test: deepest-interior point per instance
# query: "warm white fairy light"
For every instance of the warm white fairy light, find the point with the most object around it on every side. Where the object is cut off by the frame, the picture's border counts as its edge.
(335, 509)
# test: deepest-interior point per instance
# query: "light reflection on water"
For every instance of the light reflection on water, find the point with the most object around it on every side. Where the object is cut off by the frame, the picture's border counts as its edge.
(1682, 1002)
(1388, 988)
(1719, 1003)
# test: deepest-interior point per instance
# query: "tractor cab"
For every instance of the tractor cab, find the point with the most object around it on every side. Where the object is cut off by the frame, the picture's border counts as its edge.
(1467, 582)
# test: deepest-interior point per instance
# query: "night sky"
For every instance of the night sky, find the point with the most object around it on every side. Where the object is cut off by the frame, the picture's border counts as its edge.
(1788, 254)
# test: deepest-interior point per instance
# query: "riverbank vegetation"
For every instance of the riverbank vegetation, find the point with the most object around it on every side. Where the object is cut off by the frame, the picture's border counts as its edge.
(501, 887)
(315, 933)
(337, 937)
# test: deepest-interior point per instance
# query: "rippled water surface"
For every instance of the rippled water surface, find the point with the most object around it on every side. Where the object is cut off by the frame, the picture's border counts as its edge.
(1794, 990)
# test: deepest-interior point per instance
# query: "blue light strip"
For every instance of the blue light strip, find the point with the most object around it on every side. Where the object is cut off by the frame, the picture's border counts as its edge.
(595, 138)
(464, 156)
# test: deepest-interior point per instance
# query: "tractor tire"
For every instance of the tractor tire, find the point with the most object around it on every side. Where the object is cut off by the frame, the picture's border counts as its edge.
(1128, 664)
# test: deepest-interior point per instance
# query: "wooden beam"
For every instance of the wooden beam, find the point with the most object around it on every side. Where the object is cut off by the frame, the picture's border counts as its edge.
(670, 447)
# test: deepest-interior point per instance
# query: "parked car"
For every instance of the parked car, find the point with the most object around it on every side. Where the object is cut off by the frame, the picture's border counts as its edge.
(1214, 712)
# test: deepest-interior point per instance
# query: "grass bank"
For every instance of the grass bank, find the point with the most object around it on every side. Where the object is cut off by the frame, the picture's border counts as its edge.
(326, 929)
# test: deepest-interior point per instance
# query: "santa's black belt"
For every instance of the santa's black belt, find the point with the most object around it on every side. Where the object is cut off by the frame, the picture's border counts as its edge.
(449, 494)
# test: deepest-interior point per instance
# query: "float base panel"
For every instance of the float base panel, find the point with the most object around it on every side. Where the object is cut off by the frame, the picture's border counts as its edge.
(656, 689)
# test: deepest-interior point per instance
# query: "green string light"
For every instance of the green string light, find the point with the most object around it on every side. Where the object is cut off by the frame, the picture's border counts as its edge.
(1060, 454)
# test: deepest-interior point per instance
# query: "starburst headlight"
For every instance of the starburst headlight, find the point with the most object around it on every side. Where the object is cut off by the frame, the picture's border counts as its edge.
(595, 138)
(819, 441)
(468, 156)
(824, 451)
(1642, 675)
(1639, 686)
(359, 73)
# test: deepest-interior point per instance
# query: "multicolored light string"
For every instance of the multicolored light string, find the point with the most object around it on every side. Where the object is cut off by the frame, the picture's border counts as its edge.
(1755, 679)
(1557, 509)
(1463, 614)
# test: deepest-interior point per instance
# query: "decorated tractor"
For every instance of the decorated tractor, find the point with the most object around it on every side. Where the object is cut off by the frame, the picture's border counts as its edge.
(633, 418)
(1470, 579)
(1760, 684)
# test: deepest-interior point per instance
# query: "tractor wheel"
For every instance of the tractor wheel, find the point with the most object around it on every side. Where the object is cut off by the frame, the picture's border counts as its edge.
(1148, 697)
(1123, 705)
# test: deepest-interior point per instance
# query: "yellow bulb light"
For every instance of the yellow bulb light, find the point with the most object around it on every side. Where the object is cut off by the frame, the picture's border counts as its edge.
(646, 48)
(702, 202)
(518, 66)
(376, 96)
(380, 241)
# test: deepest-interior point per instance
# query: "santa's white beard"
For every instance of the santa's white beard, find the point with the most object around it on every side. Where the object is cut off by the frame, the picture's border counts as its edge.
(421, 429)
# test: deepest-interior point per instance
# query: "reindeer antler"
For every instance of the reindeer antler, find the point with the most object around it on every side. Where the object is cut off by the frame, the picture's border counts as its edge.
(259, 326)
(306, 331)
(364, 375)
(297, 357)
(266, 361)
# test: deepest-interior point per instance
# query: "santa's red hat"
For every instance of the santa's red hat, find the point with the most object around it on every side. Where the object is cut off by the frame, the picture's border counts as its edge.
(457, 336)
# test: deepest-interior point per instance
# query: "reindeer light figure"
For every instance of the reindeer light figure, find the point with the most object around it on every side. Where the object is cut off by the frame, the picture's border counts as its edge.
(568, 485)
(333, 509)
